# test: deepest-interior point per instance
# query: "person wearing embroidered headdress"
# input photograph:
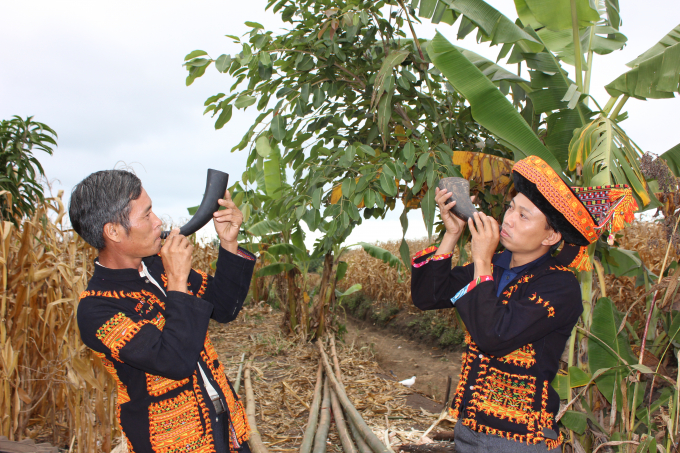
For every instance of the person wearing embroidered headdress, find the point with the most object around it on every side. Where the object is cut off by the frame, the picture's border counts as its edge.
(145, 313)
(519, 306)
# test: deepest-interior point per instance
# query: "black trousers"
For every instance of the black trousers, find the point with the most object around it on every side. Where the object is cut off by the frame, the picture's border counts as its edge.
(469, 441)
(221, 436)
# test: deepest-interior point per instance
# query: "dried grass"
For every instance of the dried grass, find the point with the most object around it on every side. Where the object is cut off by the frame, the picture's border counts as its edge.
(284, 374)
(52, 386)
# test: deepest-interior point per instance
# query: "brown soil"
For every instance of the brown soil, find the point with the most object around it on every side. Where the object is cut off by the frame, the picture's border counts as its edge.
(285, 373)
(401, 357)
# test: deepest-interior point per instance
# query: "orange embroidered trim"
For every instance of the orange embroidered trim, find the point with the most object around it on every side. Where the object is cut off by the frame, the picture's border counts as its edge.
(558, 194)
(546, 419)
(117, 331)
(204, 283)
(507, 396)
(430, 249)
(508, 292)
(466, 361)
(152, 299)
(122, 392)
(111, 294)
(237, 412)
(560, 268)
(528, 439)
(175, 426)
(143, 296)
(523, 357)
(582, 261)
(158, 321)
(206, 414)
(158, 385)
(525, 278)
(546, 303)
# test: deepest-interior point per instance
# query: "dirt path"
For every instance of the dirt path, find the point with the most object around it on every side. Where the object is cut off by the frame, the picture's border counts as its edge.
(285, 373)
(402, 358)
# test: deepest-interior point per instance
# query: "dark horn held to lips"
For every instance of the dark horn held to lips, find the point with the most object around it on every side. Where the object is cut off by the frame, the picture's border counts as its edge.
(215, 187)
(460, 193)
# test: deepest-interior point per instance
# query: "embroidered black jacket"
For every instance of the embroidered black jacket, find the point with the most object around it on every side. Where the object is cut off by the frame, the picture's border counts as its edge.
(514, 342)
(151, 344)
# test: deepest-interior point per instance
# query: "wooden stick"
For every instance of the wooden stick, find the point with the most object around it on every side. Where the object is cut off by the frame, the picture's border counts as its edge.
(237, 383)
(292, 392)
(371, 439)
(321, 435)
(255, 442)
(308, 438)
(361, 443)
(345, 439)
(448, 391)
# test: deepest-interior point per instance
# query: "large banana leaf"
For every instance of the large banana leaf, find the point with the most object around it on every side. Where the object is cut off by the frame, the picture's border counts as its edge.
(671, 39)
(494, 25)
(489, 106)
(609, 348)
(606, 155)
(672, 158)
(435, 10)
(555, 14)
(655, 73)
(381, 254)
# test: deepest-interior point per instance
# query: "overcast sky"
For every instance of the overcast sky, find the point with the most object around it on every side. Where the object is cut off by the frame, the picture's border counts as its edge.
(108, 77)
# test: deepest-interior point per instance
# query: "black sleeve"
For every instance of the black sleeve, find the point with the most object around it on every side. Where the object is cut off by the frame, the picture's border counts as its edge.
(228, 289)
(169, 348)
(548, 303)
(434, 283)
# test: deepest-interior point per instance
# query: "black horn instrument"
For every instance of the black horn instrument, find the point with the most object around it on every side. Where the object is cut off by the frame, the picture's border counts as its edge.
(215, 186)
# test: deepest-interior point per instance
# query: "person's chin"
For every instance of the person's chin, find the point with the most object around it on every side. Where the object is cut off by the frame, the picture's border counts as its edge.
(507, 243)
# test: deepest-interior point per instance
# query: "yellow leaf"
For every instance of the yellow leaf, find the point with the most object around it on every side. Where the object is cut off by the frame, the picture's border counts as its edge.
(484, 169)
(336, 194)
(400, 133)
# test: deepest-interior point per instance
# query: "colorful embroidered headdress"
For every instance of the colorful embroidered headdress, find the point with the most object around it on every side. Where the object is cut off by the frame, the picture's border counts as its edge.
(581, 214)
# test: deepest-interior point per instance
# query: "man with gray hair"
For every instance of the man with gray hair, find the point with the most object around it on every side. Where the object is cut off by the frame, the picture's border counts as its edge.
(145, 313)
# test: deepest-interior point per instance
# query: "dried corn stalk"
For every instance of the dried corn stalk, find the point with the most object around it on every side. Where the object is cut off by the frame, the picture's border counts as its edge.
(50, 383)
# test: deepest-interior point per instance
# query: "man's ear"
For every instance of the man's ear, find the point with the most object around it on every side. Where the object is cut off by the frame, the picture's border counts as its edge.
(113, 232)
(553, 238)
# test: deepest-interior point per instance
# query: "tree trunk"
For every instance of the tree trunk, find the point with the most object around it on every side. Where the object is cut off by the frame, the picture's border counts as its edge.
(292, 297)
(324, 291)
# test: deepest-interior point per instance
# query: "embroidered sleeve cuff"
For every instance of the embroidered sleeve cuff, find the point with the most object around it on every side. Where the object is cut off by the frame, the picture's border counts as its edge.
(425, 256)
(245, 254)
(470, 286)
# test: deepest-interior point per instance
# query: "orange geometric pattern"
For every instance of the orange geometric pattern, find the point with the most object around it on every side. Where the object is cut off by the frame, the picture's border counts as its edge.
(175, 426)
(539, 300)
(123, 396)
(508, 396)
(204, 283)
(117, 331)
(159, 385)
(558, 194)
(503, 395)
(523, 357)
(236, 410)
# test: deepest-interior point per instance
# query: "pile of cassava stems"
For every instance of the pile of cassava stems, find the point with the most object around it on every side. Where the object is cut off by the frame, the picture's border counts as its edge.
(329, 398)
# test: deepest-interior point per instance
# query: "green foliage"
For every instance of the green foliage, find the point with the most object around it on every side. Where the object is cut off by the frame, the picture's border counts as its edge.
(22, 170)
(351, 103)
